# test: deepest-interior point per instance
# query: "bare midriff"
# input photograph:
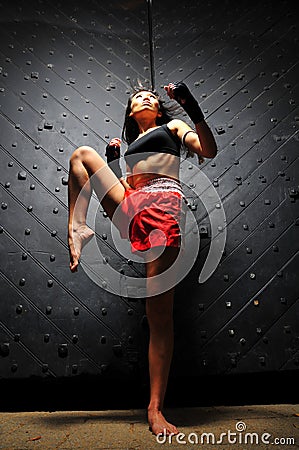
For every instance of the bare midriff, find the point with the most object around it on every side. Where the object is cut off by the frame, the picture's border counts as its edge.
(156, 165)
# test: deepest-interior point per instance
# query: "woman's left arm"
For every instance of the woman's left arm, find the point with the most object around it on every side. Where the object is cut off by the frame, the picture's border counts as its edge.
(202, 142)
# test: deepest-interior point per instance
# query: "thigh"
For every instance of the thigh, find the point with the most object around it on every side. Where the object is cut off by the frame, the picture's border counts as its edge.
(156, 266)
(105, 183)
(113, 198)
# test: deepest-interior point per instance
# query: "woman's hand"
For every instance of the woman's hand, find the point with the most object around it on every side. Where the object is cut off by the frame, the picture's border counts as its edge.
(169, 90)
(178, 91)
(181, 93)
(115, 141)
(113, 156)
(113, 150)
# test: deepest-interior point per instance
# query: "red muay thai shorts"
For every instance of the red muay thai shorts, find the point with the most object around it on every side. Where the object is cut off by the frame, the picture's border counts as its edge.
(153, 215)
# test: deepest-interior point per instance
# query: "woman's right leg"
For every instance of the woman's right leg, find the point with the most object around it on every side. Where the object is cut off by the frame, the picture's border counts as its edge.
(159, 311)
(88, 171)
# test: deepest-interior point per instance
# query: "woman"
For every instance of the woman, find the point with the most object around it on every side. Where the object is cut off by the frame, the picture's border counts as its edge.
(151, 176)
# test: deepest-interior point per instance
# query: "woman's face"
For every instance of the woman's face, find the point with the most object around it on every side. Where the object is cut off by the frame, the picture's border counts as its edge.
(144, 102)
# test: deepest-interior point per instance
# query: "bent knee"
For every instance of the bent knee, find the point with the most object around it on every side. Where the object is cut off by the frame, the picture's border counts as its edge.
(82, 153)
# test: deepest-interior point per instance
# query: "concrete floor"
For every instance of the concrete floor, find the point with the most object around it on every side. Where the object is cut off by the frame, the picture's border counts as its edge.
(267, 427)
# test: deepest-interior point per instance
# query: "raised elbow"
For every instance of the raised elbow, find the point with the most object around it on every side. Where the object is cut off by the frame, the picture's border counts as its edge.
(214, 151)
(210, 152)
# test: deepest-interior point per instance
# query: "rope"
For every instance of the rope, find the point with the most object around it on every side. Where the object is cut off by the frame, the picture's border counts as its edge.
(151, 42)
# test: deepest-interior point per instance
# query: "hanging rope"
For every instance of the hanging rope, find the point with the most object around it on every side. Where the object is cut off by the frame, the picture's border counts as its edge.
(151, 41)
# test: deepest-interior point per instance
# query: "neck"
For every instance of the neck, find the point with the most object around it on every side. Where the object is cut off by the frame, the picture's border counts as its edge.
(145, 125)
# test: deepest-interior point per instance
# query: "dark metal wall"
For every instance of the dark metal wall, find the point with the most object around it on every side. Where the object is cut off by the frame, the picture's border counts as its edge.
(66, 69)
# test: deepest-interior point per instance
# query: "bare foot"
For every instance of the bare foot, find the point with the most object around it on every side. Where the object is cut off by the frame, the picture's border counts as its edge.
(158, 423)
(77, 239)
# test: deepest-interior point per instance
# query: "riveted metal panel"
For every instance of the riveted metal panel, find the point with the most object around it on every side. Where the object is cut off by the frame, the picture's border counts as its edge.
(66, 73)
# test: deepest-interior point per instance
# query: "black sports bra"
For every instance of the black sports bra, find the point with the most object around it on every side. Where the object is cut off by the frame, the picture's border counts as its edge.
(159, 140)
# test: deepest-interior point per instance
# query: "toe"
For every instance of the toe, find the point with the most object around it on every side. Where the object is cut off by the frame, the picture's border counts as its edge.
(174, 429)
(74, 264)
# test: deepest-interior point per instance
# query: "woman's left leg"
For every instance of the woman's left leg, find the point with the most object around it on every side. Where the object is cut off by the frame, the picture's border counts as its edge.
(159, 310)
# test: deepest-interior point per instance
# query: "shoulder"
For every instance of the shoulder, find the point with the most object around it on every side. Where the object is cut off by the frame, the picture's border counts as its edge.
(178, 127)
(174, 124)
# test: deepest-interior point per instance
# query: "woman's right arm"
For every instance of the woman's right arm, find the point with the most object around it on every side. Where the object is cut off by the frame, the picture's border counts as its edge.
(125, 184)
(113, 157)
(128, 179)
